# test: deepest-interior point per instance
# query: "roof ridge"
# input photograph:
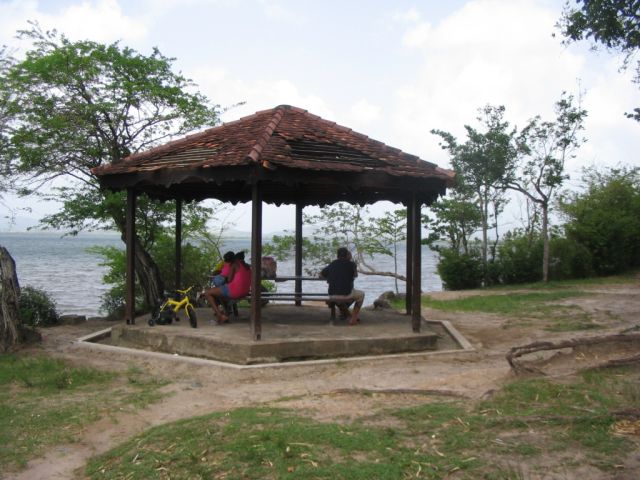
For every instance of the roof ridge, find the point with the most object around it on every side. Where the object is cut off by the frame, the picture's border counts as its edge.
(262, 141)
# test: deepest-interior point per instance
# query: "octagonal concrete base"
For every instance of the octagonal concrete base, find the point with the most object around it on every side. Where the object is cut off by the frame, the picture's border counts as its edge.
(289, 333)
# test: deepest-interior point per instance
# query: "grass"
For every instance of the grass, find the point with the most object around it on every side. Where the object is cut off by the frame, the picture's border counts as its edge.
(538, 422)
(45, 402)
(531, 302)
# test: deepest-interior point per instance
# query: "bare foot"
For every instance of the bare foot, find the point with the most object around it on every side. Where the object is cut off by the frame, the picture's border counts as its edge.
(222, 319)
(354, 321)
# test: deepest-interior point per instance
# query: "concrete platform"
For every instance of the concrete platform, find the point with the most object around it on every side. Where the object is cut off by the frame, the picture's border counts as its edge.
(289, 333)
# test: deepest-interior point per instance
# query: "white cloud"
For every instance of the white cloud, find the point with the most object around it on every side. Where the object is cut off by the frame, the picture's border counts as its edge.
(363, 112)
(99, 20)
(409, 16)
(488, 52)
(220, 84)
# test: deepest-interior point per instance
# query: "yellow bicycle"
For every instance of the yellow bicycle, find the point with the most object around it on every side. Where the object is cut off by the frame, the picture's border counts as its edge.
(167, 311)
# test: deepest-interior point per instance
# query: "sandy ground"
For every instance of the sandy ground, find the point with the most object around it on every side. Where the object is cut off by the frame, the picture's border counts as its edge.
(330, 391)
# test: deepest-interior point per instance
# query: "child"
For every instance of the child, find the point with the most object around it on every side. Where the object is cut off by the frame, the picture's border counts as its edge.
(222, 270)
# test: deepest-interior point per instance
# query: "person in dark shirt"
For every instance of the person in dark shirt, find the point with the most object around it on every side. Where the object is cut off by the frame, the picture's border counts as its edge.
(340, 275)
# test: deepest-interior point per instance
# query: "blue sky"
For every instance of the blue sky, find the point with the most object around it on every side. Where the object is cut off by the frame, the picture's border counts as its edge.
(392, 70)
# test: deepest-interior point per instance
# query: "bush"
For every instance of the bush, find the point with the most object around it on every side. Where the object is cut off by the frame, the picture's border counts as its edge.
(569, 259)
(37, 309)
(197, 264)
(606, 219)
(520, 258)
(460, 271)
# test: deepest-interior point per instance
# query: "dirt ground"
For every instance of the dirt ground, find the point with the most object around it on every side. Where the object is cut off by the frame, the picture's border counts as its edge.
(333, 391)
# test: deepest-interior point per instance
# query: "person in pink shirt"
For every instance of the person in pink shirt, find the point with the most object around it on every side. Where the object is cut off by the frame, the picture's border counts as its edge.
(237, 286)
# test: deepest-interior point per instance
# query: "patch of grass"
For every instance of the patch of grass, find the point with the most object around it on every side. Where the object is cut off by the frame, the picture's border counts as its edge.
(510, 304)
(529, 421)
(45, 402)
(572, 283)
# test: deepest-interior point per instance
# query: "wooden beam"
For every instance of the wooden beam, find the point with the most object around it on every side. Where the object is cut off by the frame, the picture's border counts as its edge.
(178, 267)
(409, 262)
(130, 235)
(416, 291)
(298, 256)
(256, 260)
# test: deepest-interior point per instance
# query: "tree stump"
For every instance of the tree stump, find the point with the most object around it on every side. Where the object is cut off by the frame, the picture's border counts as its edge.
(10, 324)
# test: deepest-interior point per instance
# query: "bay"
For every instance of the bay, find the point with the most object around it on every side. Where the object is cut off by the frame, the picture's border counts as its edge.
(62, 266)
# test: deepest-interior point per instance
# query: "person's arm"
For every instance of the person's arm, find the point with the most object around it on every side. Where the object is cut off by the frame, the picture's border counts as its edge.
(323, 272)
(232, 272)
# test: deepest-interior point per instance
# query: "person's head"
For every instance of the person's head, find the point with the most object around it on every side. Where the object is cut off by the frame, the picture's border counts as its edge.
(228, 257)
(240, 256)
(343, 253)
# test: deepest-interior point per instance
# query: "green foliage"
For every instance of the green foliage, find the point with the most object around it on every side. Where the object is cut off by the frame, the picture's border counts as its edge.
(37, 308)
(544, 148)
(481, 165)
(615, 24)
(460, 271)
(457, 218)
(198, 258)
(75, 106)
(605, 219)
(350, 226)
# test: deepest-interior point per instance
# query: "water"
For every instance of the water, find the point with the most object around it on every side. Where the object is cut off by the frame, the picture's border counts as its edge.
(64, 268)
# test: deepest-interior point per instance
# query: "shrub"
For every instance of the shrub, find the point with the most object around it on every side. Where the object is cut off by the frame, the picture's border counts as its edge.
(197, 263)
(569, 259)
(460, 271)
(520, 258)
(606, 219)
(37, 309)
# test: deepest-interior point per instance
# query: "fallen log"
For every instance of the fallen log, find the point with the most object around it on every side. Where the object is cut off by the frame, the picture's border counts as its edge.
(517, 352)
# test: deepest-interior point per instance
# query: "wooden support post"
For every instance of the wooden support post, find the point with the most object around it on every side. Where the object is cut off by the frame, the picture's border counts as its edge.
(409, 262)
(178, 267)
(130, 235)
(298, 256)
(256, 260)
(416, 291)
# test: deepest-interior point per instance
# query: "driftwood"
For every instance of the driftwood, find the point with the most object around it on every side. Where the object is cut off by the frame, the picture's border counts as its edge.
(517, 352)
(10, 325)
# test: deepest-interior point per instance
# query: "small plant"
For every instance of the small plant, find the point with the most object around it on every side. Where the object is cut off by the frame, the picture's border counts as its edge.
(37, 309)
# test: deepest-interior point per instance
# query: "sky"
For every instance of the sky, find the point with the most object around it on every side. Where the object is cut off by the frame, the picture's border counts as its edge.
(392, 70)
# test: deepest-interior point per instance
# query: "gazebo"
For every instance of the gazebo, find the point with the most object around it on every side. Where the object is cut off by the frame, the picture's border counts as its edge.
(284, 155)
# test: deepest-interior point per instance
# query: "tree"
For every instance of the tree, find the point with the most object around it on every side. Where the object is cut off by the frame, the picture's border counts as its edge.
(481, 164)
(79, 105)
(614, 24)
(350, 226)
(388, 231)
(457, 218)
(5, 63)
(544, 148)
(605, 218)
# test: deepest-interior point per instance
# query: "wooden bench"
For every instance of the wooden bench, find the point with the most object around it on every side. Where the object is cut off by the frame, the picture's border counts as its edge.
(231, 305)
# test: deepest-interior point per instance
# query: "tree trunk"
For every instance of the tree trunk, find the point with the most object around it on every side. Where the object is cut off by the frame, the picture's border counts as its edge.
(485, 239)
(148, 275)
(545, 242)
(10, 323)
(147, 271)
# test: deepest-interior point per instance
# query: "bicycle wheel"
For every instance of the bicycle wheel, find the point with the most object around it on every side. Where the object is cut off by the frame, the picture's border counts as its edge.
(155, 314)
(193, 319)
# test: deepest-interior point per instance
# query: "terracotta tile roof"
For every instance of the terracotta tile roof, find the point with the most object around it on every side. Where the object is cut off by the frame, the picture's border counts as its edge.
(281, 137)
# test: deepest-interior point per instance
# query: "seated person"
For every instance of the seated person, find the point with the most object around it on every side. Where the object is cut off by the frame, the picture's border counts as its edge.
(237, 286)
(222, 270)
(340, 275)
